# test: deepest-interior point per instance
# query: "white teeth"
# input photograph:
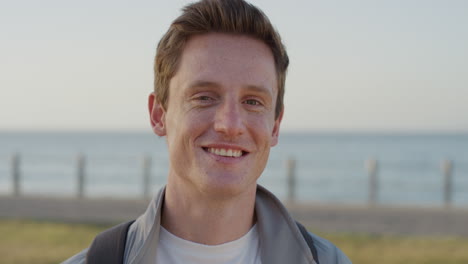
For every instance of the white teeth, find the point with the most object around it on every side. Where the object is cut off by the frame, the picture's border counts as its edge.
(222, 152)
(226, 153)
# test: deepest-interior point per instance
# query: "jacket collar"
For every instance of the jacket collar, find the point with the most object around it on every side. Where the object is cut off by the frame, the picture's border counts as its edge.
(143, 234)
(280, 239)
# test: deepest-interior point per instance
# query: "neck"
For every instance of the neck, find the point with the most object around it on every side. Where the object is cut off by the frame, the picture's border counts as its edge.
(204, 219)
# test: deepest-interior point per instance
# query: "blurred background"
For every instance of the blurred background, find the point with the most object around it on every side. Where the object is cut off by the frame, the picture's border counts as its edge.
(375, 123)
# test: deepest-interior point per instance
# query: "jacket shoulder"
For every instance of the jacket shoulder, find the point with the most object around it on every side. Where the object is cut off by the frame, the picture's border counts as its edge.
(327, 252)
(79, 258)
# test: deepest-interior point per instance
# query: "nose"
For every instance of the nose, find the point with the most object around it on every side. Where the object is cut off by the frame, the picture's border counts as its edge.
(228, 119)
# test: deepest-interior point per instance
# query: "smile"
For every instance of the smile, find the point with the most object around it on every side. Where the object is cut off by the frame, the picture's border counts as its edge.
(233, 153)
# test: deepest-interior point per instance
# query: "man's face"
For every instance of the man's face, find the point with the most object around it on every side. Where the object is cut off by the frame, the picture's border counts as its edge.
(220, 119)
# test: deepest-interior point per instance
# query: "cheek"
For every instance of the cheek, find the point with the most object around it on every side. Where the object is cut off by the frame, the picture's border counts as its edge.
(183, 128)
(176, 131)
(263, 129)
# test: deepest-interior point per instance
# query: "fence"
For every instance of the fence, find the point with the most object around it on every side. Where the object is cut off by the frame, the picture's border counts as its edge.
(371, 166)
(81, 168)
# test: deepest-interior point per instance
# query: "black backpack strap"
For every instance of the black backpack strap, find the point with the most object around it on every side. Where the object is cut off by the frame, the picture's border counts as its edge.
(309, 240)
(108, 247)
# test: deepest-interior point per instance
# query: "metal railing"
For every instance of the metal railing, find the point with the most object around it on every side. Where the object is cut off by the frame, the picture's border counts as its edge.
(371, 167)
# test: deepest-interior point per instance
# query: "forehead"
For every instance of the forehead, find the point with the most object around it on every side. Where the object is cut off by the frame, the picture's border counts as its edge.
(227, 59)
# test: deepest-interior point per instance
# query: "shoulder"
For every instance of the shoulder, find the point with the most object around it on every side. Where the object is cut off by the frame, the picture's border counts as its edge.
(327, 252)
(79, 258)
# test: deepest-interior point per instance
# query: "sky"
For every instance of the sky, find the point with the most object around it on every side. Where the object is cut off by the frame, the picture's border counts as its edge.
(355, 66)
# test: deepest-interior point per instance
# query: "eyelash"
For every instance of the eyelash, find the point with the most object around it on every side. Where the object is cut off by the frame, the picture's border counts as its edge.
(207, 99)
(257, 103)
(204, 98)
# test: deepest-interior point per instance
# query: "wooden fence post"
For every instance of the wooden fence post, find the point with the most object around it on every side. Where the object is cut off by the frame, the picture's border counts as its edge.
(80, 166)
(372, 169)
(16, 174)
(291, 179)
(146, 169)
(447, 170)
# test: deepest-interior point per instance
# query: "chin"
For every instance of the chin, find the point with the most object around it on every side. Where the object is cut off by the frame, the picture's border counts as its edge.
(225, 188)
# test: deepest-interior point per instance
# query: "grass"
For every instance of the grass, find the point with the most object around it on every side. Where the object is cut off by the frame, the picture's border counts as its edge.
(43, 242)
(49, 242)
(386, 249)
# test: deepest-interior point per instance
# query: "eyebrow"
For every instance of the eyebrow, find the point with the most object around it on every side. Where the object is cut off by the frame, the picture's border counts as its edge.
(260, 89)
(201, 84)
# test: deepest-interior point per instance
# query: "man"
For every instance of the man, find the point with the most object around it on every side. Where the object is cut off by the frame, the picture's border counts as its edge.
(218, 99)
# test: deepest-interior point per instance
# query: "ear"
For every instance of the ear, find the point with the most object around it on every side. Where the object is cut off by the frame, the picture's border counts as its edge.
(276, 128)
(157, 115)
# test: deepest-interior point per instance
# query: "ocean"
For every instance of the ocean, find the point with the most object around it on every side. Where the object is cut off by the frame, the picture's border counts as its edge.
(330, 167)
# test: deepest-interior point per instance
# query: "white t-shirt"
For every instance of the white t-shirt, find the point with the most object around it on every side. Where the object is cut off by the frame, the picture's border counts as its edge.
(175, 250)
